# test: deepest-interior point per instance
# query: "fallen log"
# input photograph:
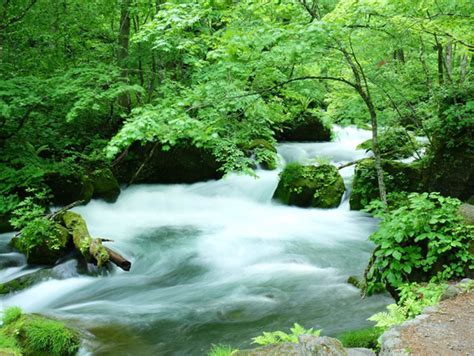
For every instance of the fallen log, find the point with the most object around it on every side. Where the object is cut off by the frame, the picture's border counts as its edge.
(92, 249)
(118, 260)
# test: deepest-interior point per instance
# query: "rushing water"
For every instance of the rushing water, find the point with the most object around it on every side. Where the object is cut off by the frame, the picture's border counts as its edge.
(215, 262)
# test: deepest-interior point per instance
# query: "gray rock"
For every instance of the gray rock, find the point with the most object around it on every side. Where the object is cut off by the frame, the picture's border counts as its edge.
(360, 352)
(450, 292)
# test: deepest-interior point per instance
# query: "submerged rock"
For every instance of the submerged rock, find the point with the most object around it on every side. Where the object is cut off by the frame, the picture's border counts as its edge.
(179, 164)
(310, 186)
(304, 128)
(105, 185)
(398, 177)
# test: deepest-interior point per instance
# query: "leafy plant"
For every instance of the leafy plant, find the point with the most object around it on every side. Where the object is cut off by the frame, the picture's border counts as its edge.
(276, 337)
(424, 239)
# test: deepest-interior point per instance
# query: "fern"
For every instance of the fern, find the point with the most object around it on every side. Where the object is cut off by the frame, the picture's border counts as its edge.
(277, 337)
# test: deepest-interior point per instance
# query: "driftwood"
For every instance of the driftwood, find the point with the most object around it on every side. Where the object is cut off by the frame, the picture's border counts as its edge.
(91, 248)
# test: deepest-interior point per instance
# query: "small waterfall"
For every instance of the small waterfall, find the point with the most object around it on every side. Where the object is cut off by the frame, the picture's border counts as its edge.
(214, 262)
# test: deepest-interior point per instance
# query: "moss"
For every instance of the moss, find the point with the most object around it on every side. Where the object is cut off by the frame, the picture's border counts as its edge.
(310, 186)
(24, 281)
(105, 185)
(399, 177)
(394, 143)
(363, 338)
(47, 252)
(306, 127)
(38, 335)
(8, 345)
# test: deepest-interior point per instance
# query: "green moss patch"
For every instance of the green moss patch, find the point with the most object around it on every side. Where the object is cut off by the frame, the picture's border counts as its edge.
(36, 335)
(363, 338)
(310, 186)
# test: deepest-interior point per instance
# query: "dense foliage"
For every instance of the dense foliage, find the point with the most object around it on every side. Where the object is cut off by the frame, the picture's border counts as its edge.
(424, 239)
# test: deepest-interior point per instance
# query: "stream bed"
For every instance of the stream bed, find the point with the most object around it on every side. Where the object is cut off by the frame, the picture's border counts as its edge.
(213, 263)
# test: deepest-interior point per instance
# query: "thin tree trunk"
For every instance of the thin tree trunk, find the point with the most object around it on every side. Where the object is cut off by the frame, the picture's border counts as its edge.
(439, 49)
(122, 55)
(462, 68)
(449, 59)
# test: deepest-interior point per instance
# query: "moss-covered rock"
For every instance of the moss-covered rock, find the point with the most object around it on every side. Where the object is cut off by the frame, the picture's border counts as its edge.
(306, 127)
(69, 187)
(53, 246)
(25, 281)
(37, 335)
(105, 185)
(264, 152)
(180, 164)
(310, 186)
(450, 171)
(398, 177)
(394, 143)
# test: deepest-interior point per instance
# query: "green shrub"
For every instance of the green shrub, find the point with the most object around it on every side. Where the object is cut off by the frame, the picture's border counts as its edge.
(276, 337)
(365, 338)
(11, 315)
(423, 240)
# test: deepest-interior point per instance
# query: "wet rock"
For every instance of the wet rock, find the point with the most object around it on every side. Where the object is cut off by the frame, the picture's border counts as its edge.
(398, 177)
(25, 281)
(48, 252)
(360, 352)
(310, 186)
(69, 187)
(179, 164)
(306, 127)
(105, 185)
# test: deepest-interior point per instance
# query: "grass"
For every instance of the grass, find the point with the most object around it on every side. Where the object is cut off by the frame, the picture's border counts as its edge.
(366, 338)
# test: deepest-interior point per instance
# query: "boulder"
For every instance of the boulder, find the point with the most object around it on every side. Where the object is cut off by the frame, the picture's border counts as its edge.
(46, 253)
(25, 281)
(310, 186)
(307, 345)
(306, 127)
(394, 143)
(105, 185)
(69, 187)
(399, 177)
(179, 164)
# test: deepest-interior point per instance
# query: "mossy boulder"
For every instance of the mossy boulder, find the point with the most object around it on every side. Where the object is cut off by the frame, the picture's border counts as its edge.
(264, 152)
(105, 185)
(450, 171)
(69, 187)
(32, 334)
(399, 177)
(394, 143)
(310, 186)
(55, 243)
(179, 164)
(25, 281)
(305, 127)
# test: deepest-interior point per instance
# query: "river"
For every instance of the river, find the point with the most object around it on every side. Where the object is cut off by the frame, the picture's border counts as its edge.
(213, 263)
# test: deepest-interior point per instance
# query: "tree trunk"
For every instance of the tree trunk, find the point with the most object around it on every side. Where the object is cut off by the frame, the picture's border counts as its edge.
(463, 68)
(122, 55)
(449, 59)
(91, 249)
(439, 48)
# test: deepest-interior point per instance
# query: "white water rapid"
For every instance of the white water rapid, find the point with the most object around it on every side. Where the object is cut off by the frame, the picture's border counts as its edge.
(212, 263)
